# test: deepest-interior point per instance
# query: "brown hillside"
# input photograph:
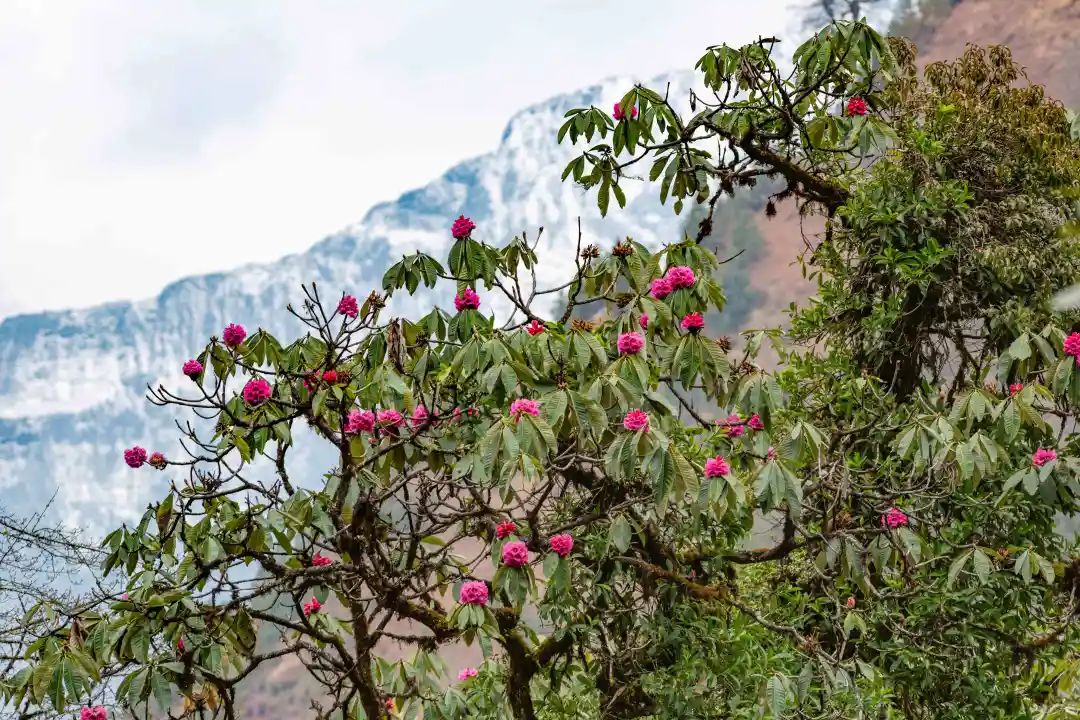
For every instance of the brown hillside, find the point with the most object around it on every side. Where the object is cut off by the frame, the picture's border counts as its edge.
(1043, 37)
(1041, 33)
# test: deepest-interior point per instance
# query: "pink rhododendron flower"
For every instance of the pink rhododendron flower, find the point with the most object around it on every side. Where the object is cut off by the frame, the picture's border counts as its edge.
(135, 457)
(618, 114)
(681, 276)
(524, 406)
(1043, 456)
(894, 518)
(716, 466)
(660, 288)
(312, 606)
(180, 646)
(348, 307)
(535, 327)
(850, 604)
(467, 299)
(125, 596)
(561, 545)
(643, 321)
(419, 416)
(320, 560)
(474, 592)
(462, 227)
(1071, 346)
(359, 421)
(515, 553)
(193, 369)
(770, 454)
(636, 420)
(693, 322)
(93, 712)
(233, 335)
(857, 106)
(630, 343)
(156, 460)
(1015, 388)
(733, 425)
(467, 674)
(330, 377)
(505, 529)
(390, 418)
(755, 423)
(256, 392)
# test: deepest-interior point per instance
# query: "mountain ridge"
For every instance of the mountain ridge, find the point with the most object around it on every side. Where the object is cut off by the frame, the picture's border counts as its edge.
(73, 396)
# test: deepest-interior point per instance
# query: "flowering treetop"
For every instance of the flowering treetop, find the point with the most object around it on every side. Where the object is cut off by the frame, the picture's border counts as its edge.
(558, 491)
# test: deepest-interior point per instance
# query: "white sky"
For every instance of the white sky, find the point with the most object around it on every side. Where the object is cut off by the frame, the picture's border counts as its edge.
(144, 141)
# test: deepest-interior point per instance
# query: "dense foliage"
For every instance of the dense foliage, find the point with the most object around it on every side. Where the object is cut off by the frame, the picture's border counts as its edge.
(544, 488)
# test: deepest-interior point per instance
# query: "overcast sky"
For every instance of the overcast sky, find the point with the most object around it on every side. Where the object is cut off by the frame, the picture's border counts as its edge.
(144, 141)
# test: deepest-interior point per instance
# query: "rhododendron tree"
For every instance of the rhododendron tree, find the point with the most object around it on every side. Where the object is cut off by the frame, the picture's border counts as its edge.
(560, 501)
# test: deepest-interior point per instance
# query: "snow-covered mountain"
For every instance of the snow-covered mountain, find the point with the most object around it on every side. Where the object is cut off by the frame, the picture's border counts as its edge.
(72, 390)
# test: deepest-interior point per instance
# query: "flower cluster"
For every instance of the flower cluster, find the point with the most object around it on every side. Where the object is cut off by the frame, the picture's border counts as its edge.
(857, 106)
(474, 592)
(505, 529)
(680, 276)
(643, 321)
(419, 416)
(233, 335)
(467, 299)
(312, 606)
(562, 544)
(93, 712)
(462, 227)
(1043, 456)
(636, 420)
(660, 288)
(390, 418)
(359, 421)
(135, 456)
(193, 368)
(256, 392)
(630, 343)
(1071, 346)
(535, 327)
(1015, 388)
(894, 518)
(515, 554)
(467, 674)
(693, 323)
(156, 460)
(524, 406)
(348, 307)
(716, 466)
(320, 560)
(733, 425)
(618, 114)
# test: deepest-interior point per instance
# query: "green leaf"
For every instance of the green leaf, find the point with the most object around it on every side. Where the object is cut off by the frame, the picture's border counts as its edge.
(1020, 348)
(956, 567)
(602, 199)
(776, 692)
(161, 690)
(620, 533)
(982, 565)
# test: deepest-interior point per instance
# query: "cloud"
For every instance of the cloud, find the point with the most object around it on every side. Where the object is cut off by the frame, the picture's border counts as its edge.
(147, 141)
